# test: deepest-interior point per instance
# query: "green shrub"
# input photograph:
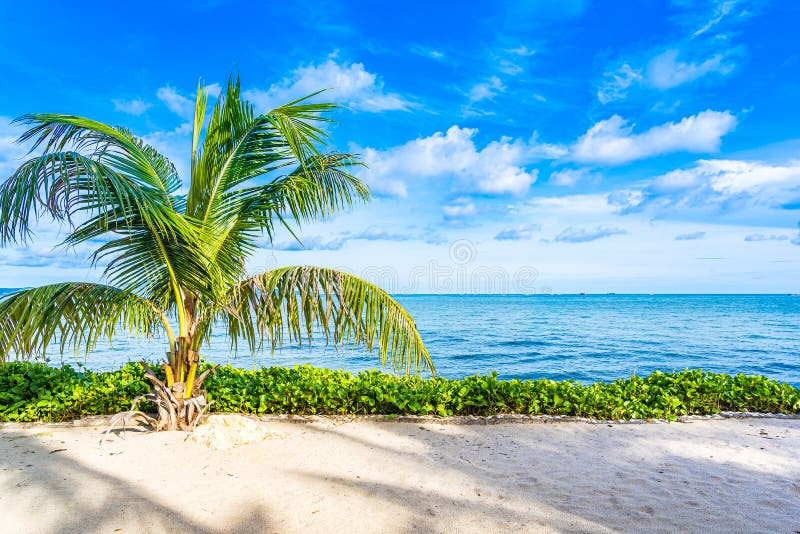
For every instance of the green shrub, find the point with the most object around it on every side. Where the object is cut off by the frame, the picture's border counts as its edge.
(37, 392)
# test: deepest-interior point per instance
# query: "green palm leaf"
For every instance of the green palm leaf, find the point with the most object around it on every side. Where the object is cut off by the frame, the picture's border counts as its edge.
(301, 303)
(72, 315)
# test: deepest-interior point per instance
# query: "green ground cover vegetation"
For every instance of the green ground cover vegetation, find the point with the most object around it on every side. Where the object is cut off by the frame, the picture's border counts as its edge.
(38, 392)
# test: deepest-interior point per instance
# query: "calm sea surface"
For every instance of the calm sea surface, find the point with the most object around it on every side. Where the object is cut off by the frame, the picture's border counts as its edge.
(585, 338)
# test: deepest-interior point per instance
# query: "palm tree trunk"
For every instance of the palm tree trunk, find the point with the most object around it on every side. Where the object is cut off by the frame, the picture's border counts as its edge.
(180, 399)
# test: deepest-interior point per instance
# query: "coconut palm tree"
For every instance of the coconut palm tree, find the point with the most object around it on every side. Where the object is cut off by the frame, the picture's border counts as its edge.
(177, 255)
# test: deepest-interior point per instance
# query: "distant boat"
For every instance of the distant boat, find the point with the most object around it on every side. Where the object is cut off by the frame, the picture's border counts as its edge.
(582, 293)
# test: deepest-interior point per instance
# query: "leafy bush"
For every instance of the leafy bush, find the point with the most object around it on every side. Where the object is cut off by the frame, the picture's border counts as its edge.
(36, 392)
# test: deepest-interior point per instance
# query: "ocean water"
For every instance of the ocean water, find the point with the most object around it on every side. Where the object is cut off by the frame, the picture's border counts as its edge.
(586, 338)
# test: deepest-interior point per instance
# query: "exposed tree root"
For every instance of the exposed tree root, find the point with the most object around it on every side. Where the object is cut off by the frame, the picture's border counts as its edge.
(176, 410)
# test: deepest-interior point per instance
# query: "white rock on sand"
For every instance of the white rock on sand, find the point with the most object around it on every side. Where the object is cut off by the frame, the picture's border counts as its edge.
(226, 431)
(729, 475)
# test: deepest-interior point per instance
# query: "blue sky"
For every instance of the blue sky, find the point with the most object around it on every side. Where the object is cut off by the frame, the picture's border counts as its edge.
(559, 146)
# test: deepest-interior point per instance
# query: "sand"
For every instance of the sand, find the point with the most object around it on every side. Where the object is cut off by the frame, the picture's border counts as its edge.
(730, 475)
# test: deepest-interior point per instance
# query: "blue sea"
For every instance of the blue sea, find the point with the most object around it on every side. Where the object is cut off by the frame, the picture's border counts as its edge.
(579, 337)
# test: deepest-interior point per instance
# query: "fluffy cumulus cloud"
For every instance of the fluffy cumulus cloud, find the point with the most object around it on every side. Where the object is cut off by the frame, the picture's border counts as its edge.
(715, 181)
(500, 167)
(517, 233)
(692, 236)
(136, 107)
(738, 190)
(613, 141)
(348, 83)
(666, 71)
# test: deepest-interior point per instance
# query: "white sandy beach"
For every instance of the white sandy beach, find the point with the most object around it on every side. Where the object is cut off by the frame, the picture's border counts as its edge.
(732, 475)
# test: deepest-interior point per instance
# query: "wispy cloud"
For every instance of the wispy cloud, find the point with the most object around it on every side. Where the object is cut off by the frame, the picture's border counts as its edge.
(571, 177)
(616, 83)
(428, 52)
(11, 152)
(314, 242)
(665, 71)
(722, 10)
(486, 90)
(612, 141)
(517, 233)
(765, 237)
(693, 236)
(135, 107)
(521, 50)
(176, 102)
(374, 233)
(584, 235)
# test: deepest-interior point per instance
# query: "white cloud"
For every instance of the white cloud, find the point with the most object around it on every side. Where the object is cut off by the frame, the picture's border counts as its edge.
(722, 10)
(12, 154)
(665, 71)
(612, 141)
(584, 235)
(766, 237)
(521, 51)
(175, 145)
(311, 243)
(616, 83)
(425, 51)
(176, 102)
(486, 90)
(213, 90)
(461, 207)
(509, 67)
(713, 183)
(736, 190)
(570, 177)
(136, 107)
(729, 177)
(691, 236)
(497, 168)
(349, 84)
(517, 233)
(585, 207)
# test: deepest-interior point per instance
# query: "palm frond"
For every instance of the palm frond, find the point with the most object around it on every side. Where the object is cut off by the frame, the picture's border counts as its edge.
(317, 189)
(116, 147)
(300, 303)
(240, 146)
(72, 315)
(111, 188)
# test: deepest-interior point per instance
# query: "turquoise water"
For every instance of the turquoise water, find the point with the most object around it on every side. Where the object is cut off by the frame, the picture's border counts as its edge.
(585, 338)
